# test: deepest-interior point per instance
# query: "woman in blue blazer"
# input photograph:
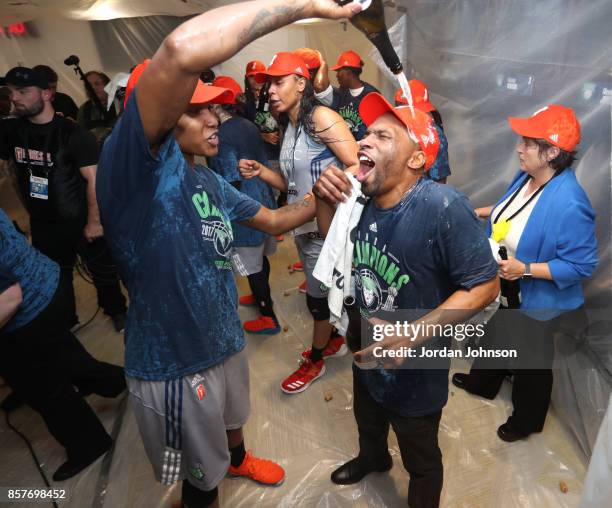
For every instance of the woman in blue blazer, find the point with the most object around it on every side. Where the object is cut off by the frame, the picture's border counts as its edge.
(547, 225)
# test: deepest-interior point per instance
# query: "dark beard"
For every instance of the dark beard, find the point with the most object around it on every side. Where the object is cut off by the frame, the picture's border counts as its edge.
(33, 110)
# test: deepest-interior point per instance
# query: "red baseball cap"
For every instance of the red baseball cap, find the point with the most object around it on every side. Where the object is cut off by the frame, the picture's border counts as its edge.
(310, 57)
(229, 83)
(348, 59)
(419, 124)
(283, 64)
(253, 67)
(420, 96)
(202, 94)
(555, 123)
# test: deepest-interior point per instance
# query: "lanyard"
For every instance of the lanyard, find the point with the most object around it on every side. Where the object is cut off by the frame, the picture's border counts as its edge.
(531, 198)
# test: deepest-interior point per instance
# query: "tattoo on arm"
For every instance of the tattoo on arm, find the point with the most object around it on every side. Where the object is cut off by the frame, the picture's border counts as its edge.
(266, 21)
(294, 207)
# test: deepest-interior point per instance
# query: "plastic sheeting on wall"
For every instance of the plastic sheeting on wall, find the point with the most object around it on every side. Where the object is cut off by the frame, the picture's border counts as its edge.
(485, 61)
(597, 488)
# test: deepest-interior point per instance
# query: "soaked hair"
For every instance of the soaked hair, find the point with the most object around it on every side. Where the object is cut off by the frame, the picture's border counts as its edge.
(562, 161)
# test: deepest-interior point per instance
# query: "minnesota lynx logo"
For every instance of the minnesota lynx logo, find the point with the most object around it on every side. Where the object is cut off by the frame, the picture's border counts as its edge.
(378, 277)
(215, 227)
(351, 117)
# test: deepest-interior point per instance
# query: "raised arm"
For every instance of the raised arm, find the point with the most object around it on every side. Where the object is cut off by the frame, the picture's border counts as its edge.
(166, 86)
(321, 80)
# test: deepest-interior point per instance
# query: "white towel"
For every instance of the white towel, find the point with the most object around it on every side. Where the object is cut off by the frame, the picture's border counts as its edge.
(333, 267)
(119, 81)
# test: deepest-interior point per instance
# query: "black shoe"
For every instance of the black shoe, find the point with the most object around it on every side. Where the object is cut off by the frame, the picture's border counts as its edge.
(11, 403)
(354, 471)
(118, 322)
(508, 433)
(72, 467)
(460, 380)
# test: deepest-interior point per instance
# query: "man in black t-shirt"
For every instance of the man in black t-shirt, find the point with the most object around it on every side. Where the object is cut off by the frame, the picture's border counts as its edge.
(352, 90)
(62, 103)
(55, 162)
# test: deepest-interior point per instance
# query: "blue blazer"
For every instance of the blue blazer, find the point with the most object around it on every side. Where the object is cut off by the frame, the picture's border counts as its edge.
(561, 232)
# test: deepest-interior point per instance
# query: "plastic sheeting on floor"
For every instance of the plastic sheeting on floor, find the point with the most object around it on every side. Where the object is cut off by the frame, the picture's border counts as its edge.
(307, 435)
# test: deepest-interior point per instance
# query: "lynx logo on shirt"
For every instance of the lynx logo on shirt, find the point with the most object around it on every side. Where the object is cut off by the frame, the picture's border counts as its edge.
(351, 117)
(37, 157)
(377, 269)
(215, 227)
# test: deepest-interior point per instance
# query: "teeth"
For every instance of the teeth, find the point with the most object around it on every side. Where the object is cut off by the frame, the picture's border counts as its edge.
(365, 158)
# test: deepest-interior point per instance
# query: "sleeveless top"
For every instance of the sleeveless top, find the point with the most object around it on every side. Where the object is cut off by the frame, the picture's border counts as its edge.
(302, 161)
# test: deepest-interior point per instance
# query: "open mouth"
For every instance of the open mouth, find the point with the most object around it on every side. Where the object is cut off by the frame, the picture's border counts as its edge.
(366, 167)
(213, 140)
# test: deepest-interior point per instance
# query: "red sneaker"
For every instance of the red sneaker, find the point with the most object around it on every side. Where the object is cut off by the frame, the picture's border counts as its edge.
(302, 287)
(304, 376)
(263, 325)
(259, 470)
(297, 267)
(335, 347)
(247, 300)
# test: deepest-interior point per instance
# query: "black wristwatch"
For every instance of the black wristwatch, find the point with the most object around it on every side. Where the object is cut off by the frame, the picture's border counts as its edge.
(527, 274)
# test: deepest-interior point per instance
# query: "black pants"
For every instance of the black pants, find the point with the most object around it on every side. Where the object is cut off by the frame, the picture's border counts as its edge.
(60, 241)
(532, 370)
(418, 443)
(45, 365)
(260, 286)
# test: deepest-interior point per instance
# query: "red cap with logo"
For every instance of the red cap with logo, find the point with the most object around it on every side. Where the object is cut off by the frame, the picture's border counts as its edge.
(348, 59)
(420, 96)
(202, 94)
(229, 83)
(283, 64)
(253, 67)
(555, 123)
(310, 57)
(419, 124)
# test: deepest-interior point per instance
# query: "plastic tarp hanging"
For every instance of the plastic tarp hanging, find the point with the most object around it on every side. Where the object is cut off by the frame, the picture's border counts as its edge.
(485, 61)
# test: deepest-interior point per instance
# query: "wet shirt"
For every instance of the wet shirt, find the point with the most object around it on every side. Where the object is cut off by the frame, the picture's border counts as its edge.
(302, 161)
(441, 167)
(240, 139)
(169, 227)
(35, 150)
(410, 257)
(37, 275)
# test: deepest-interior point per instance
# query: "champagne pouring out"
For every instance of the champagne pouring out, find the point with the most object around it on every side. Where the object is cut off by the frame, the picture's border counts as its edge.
(371, 22)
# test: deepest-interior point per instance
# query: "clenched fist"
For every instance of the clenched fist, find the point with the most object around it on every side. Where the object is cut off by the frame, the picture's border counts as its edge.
(248, 168)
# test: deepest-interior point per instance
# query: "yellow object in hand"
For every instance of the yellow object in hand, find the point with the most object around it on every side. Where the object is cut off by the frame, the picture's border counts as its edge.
(500, 230)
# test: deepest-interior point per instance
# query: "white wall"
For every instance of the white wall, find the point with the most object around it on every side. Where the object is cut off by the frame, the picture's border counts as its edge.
(56, 38)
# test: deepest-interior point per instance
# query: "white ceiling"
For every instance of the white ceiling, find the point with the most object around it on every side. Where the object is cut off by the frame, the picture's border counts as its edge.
(13, 11)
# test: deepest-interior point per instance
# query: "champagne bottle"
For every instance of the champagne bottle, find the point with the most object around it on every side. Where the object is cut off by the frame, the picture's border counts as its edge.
(510, 289)
(371, 22)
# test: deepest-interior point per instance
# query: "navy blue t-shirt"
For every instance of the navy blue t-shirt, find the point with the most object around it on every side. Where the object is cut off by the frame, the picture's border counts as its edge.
(414, 256)
(170, 232)
(240, 139)
(347, 107)
(37, 275)
(441, 167)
